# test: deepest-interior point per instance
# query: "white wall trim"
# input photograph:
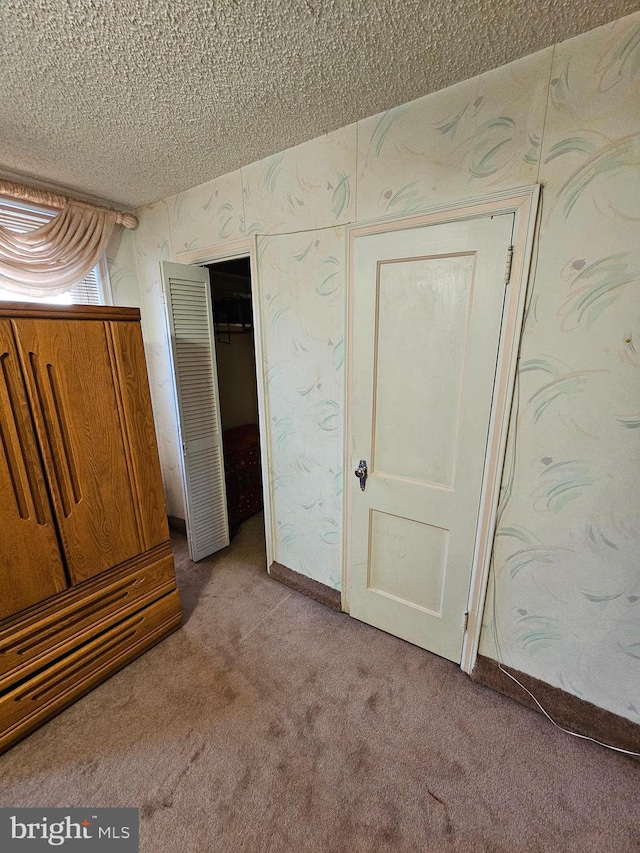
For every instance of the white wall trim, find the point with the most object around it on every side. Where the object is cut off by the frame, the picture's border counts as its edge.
(247, 248)
(523, 203)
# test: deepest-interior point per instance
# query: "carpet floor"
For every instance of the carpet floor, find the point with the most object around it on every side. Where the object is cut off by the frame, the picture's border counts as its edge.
(271, 723)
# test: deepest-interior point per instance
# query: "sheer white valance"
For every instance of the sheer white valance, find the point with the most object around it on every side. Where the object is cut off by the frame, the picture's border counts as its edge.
(58, 255)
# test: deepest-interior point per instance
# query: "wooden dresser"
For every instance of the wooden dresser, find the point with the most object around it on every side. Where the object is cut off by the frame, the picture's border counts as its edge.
(87, 577)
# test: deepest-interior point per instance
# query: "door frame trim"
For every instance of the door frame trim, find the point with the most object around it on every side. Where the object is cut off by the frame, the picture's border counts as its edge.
(523, 203)
(247, 248)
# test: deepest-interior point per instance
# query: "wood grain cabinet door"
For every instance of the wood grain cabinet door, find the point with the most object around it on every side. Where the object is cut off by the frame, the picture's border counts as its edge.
(140, 436)
(31, 567)
(76, 403)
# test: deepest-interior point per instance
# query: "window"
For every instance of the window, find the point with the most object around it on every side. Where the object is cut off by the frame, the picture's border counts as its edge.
(21, 217)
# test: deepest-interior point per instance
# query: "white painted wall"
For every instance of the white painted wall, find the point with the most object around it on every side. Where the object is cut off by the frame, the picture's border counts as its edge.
(564, 600)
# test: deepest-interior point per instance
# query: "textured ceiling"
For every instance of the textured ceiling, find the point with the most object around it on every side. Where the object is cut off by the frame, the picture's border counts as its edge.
(134, 100)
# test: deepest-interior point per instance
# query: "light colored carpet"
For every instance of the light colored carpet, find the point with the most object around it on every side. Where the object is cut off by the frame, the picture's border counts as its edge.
(271, 723)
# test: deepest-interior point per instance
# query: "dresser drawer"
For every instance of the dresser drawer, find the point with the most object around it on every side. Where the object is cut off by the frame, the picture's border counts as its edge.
(40, 635)
(29, 704)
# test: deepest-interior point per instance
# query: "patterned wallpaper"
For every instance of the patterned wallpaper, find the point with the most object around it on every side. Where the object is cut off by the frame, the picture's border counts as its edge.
(310, 186)
(566, 571)
(564, 601)
(208, 214)
(302, 283)
(480, 136)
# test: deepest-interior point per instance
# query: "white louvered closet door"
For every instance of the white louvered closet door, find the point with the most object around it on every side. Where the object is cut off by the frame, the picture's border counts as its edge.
(194, 357)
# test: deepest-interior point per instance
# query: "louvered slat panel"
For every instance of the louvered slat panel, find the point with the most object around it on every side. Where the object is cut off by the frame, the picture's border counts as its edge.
(191, 320)
(88, 291)
(204, 527)
(198, 410)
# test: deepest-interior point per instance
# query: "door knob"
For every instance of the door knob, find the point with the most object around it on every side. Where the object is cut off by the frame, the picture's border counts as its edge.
(361, 473)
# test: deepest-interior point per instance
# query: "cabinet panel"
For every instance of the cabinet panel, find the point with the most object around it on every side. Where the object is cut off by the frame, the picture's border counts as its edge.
(131, 374)
(74, 399)
(30, 565)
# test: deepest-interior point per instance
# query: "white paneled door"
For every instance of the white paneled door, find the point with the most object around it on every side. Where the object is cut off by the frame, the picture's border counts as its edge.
(188, 296)
(426, 317)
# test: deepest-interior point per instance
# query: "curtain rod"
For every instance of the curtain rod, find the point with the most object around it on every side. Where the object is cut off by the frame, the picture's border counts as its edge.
(49, 199)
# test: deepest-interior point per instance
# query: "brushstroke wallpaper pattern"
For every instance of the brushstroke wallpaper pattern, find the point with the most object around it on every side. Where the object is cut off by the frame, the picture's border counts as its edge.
(564, 592)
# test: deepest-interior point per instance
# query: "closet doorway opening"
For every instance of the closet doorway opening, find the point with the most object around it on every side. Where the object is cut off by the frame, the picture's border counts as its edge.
(232, 307)
(213, 316)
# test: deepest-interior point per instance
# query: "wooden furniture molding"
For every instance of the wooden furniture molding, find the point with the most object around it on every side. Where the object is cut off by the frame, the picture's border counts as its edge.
(87, 578)
(35, 637)
(39, 311)
(35, 701)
